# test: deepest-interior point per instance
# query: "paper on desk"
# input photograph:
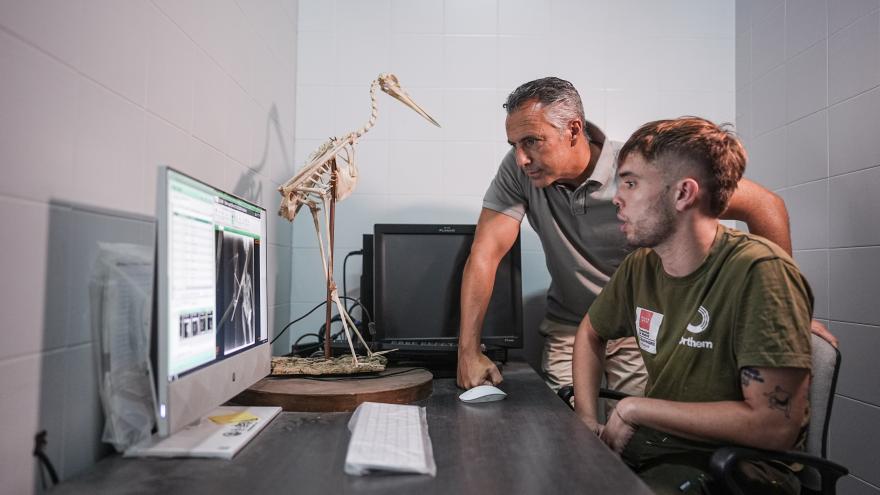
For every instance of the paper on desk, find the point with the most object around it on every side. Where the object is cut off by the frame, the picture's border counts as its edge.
(233, 418)
(389, 437)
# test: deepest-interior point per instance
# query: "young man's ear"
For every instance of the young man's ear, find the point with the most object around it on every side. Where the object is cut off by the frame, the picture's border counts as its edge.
(687, 193)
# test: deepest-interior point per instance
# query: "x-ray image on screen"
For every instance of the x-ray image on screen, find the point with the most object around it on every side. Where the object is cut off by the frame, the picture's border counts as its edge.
(237, 265)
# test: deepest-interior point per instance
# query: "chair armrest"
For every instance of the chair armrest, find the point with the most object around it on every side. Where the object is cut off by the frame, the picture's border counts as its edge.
(567, 392)
(725, 459)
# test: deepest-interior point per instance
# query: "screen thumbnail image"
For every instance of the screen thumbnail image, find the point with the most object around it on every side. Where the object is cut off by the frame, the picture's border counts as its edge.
(237, 265)
(197, 323)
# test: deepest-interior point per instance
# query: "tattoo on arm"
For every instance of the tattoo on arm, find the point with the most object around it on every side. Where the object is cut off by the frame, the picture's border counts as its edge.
(749, 374)
(780, 399)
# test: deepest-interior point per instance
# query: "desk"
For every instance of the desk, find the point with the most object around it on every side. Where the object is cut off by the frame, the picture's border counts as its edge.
(528, 443)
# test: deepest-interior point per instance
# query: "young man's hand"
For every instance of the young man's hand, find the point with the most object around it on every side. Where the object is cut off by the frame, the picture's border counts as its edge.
(618, 430)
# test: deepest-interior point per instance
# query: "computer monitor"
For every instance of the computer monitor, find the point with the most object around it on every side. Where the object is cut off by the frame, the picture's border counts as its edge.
(212, 320)
(417, 273)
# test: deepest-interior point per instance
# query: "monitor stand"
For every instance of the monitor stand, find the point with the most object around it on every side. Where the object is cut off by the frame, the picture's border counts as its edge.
(206, 438)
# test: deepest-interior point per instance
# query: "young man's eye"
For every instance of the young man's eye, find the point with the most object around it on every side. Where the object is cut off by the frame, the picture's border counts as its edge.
(629, 184)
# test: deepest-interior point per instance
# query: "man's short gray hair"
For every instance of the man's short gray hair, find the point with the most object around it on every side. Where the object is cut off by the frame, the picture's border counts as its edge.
(561, 101)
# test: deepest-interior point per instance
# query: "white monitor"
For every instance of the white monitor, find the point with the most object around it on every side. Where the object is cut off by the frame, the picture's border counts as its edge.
(212, 321)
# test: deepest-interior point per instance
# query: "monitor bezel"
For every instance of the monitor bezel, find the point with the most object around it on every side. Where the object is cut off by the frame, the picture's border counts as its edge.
(512, 341)
(196, 393)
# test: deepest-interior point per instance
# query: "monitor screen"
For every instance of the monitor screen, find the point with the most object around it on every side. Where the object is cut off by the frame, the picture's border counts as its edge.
(417, 284)
(211, 304)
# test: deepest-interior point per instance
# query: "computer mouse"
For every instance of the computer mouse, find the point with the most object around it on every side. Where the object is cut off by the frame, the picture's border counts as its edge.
(482, 393)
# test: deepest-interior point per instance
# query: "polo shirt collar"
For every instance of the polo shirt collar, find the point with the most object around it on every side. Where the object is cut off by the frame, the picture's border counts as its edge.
(603, 173)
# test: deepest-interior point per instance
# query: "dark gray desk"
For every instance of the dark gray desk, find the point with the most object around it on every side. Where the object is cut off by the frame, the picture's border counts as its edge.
(528, 443)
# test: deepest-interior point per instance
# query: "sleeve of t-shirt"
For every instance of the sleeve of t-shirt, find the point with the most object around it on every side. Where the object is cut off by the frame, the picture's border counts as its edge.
(774, 329)
(505, 194)
(612, 313)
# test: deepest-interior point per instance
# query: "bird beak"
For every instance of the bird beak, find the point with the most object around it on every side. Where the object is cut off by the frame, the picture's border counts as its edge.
(390, 85)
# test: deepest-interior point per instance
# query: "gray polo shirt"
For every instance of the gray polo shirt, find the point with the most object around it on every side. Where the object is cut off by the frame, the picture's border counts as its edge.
(578, 228)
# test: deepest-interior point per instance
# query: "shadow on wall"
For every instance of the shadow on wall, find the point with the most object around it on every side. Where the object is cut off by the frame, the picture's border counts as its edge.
(69, 408)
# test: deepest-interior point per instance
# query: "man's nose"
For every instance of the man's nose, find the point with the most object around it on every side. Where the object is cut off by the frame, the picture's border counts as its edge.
(616, 201)
(521, 158)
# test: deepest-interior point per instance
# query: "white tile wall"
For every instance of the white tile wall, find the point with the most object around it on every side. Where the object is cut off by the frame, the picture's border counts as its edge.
(842, 13)
(806, 82)
(852, 143)
(853, 61)
(39, 99)
(114, 44)
(51, 25)
(853, 205)
(768, 101)
(768, 40)
(832, 157)
(96, 95)
(806, 148)
(808, 209)
(805, 24)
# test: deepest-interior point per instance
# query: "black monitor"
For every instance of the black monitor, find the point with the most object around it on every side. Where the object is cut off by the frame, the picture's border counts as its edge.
(417, 272)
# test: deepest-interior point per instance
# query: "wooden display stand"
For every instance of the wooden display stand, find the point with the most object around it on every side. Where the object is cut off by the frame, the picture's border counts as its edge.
(338, 395)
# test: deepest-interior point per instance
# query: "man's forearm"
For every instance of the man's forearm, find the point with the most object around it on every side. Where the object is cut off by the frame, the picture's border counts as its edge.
(763, 211)
(476, 291)
(588, 361)
(727, 422)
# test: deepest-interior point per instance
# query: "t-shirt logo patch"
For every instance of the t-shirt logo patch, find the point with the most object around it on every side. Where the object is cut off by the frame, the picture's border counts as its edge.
(704, 321)
(647, 328)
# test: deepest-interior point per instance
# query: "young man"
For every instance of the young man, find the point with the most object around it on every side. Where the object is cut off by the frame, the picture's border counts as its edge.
(560, 174)
(722, 318)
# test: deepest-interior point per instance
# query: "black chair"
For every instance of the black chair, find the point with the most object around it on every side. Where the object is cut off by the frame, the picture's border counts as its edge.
(819, 475)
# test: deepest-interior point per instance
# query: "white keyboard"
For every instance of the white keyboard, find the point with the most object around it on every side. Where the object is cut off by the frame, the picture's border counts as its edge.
(389, 437)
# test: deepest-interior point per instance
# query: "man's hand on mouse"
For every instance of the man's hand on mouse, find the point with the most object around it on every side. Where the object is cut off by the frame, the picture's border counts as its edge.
(476, 370)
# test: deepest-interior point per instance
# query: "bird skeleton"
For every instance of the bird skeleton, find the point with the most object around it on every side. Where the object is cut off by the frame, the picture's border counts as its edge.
(329, 176)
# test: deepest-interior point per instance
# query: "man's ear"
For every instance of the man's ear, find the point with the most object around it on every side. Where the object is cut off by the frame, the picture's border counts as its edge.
(687, 193)
(576, 127)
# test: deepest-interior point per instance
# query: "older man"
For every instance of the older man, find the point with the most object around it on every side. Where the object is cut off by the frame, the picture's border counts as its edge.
(721, 319)
(560, 174)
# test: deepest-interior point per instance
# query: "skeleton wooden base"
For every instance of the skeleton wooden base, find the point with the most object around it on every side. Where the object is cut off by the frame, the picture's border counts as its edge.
(342, 365)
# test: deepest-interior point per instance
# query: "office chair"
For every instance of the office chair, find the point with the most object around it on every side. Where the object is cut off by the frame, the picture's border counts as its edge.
(819, 475)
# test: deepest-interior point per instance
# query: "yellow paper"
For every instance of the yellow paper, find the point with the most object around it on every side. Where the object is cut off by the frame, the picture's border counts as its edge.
(233, 418)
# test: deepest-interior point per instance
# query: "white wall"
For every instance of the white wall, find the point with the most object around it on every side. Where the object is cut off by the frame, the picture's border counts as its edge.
(808, 100)
(95, 95)
(631, 61)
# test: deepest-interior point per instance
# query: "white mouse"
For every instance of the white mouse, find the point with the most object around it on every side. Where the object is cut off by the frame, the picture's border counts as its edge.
(482, 393)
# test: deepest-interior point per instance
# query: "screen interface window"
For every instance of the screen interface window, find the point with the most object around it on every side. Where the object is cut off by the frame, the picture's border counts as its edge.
(213, 275)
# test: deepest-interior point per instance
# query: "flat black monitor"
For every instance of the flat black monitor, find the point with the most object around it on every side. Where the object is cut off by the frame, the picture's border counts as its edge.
(417, 273)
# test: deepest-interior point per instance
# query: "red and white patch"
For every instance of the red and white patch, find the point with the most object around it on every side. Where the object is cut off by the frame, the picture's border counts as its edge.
(647, 328)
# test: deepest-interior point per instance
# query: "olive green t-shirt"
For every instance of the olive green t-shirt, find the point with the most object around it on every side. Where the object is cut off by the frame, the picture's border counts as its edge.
(746, 305)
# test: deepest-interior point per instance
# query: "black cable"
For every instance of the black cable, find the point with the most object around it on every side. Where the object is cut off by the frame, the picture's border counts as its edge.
(39, 451)
(293, 350)
(296, 320)
(312, 311)
(344, 279)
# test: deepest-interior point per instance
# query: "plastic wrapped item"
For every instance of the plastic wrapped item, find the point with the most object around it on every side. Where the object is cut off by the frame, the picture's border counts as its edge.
(121, 298)
(389, 438)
